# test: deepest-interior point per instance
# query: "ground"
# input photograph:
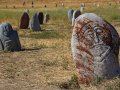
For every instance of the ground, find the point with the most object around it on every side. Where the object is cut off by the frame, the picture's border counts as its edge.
(45, 62)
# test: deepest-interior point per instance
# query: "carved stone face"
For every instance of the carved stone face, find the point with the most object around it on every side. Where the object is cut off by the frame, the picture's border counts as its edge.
(97, 38)
(5, 29)
(94, 45)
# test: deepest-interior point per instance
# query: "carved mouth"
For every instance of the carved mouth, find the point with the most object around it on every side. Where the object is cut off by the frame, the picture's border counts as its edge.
(100, 51)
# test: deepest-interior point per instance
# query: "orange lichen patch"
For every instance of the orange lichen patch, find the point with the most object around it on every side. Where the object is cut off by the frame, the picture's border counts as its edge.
(90, 60)
(84, 80)
(80, 65)
(84, 50)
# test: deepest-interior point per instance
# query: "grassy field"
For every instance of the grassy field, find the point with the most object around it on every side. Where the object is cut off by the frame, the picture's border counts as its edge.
(45, 62)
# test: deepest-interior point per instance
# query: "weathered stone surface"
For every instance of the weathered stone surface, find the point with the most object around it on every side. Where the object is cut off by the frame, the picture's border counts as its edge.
(47, 18)
(34, 23)
(76, 13)
(70, 14)
(95, 48)
(41, 17)
(24, 21)
(9, 40)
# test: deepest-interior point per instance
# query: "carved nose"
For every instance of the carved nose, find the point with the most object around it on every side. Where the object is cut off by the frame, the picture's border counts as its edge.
(96, 38)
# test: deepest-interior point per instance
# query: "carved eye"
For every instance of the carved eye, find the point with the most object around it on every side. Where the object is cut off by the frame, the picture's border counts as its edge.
(90, 33)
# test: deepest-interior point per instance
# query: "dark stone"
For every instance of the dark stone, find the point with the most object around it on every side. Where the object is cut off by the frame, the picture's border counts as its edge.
(76, 13)
(41, 17)
(34, 23)
(95, 48)
(24, 21)
(47, 18)
(55, 5)
(70, 14)
(9, 40)
(14, 7)
(45, 6)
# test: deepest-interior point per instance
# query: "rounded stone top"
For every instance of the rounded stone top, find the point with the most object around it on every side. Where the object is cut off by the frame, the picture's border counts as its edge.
(5, 29)
(96, 22)
(92, 17)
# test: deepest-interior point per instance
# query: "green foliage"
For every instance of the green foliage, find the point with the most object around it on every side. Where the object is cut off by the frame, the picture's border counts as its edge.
(44, 35)
(72, 84)
(109, 13)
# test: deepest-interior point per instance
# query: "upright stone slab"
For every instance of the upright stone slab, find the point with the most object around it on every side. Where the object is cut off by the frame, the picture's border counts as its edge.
(95, 48)
(70, 14)
(9, 40)
(81, 9)
(27, 11)
(34, 23)
(41, 17)
(76, 13)
(47, 18)
(24, 21)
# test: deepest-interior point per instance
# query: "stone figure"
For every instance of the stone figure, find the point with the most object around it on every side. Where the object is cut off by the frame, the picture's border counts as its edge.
(70, 14)
(62, 4)
(32, 3)
(45, 6)
(41, 17)
(34, 23)
(9, 40)
(24, 21)
(27, 11)
(95, 48)
(76, 13)
(47, 18)
(81, 9)
(56, 5)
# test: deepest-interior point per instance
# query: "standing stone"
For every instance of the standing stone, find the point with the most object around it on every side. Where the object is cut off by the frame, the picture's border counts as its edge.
(27, 11)
(82, 6)
(70, 14)
(24, 21)
(34, 23)
(62, 4)
(47, 18)
(95, 48)
(55, 5)
(81, 9)
(32, 3)
(41, 17)
(45, 6)
(76, 13)
(9, 40)
(98, 5)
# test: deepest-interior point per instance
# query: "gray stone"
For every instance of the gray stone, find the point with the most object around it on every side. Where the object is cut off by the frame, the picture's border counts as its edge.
(81, 9)
(47, 18)
(9, 40)
(70, 14)
(24, 21)
(95, 48)
(76, 13)
(27, 11)
(34, 23)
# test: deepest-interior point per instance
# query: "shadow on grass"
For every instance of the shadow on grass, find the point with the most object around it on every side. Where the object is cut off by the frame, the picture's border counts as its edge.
(30, 49)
